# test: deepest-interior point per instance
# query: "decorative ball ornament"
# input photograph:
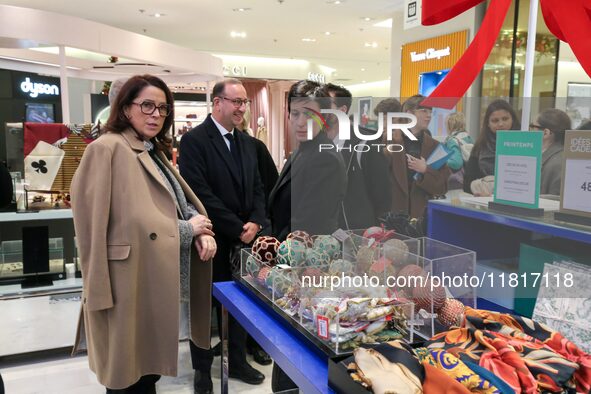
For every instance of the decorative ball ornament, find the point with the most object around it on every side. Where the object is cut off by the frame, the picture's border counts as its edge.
(302, 236)
(380, 266)
(329, 245)
(265, 249)
(365, 258)
(451, 313)
(395, 250)
(263, 274)
(252, 266)
(339, 266)
(277, 281)
(291, 252)
(372, 231)
(423, 295)
(407, 277)
(316, 258)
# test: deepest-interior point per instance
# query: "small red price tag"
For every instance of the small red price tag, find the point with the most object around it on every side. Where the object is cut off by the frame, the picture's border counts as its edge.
(322, 324)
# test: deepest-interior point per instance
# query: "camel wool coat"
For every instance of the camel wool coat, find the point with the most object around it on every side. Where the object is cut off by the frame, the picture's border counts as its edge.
(129, 249)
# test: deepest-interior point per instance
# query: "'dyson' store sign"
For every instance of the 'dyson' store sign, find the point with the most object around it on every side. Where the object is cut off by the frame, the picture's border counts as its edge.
(35, 87)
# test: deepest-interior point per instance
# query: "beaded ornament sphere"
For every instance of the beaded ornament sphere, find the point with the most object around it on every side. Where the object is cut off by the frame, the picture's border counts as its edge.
(340, 266)
(372, 231)
(252, 266)
(408, 272)
(265, 249)
(366, 255)
(291, 252)
(422, 296)
(451, 313)
(277, 281)
(302, 236)
(315, 258)
(395, 250)
(329, 245)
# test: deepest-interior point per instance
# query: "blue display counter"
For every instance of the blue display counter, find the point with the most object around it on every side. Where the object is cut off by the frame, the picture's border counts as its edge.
(294, 354)
(496, 235)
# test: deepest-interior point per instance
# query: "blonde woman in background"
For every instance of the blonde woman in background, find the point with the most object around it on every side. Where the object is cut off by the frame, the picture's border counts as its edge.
(460, 144)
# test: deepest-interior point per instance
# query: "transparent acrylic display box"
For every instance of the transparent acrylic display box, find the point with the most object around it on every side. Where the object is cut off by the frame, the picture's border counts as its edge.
(11, 258)
(339, 315)
(435, 276)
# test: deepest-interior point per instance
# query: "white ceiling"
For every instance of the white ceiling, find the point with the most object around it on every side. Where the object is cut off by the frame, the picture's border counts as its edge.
(274, 28)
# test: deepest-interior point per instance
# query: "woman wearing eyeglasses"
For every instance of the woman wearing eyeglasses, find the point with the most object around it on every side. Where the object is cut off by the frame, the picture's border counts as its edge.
(136, 224)
(553, 122)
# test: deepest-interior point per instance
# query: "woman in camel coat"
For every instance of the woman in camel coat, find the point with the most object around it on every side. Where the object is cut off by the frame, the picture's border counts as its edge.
(136, 221)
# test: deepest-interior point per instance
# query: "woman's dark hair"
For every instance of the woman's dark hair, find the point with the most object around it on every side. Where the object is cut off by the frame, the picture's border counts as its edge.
(585, 125)
(556, 121)
(118, 122)
(310, 90)
(497, 105)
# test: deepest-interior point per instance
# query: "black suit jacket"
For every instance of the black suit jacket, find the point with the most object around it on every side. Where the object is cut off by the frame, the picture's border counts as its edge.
(231, 197)
(309, 191)
(369, 188)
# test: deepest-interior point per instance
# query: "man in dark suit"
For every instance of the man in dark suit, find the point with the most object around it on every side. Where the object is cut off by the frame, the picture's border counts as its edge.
(369, 189)
(219, 163)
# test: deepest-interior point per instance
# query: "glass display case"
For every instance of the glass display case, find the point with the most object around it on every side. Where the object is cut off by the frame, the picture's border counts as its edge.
(319, 286)
(11, 260)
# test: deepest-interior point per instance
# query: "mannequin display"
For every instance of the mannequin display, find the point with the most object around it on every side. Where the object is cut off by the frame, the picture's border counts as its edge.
(261, 130)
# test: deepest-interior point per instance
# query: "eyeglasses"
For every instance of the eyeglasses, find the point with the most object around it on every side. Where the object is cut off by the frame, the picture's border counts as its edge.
(534, 126)
(148, 108)
(238, 102)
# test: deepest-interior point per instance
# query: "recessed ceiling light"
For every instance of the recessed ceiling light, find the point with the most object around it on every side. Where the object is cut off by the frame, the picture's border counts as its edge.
(157, 15)
(335, 2)
(367, 18)
(385, 23)
(241, 9)
(363, 69)
(238, 34)
(362, 81)
(371, 44)
(327, 33)
(309, 39)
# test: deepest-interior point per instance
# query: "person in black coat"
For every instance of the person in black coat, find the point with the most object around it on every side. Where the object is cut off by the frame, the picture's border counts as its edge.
(220, 165)
(369, 189)
(312, 183)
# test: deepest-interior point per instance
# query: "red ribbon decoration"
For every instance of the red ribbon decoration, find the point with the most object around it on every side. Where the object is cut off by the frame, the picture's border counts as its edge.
(568, 20)
(459, 79)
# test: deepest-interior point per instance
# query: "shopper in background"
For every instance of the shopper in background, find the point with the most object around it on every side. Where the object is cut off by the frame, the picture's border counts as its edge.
(136, 221)
(413, 181)
(116, 86)
(553, 123)
(312, 183)
(220, 165)
(413, 106)
(459, 144)
(480, 167)
(369, 189)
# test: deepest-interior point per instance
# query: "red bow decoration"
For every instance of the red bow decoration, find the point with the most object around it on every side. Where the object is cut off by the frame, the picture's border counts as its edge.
(569, 21)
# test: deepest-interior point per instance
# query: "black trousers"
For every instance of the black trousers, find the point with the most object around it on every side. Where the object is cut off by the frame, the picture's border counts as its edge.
(203, 358)
(146, 385)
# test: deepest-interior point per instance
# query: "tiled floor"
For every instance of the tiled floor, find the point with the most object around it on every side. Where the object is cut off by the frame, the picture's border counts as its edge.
(71, 375)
